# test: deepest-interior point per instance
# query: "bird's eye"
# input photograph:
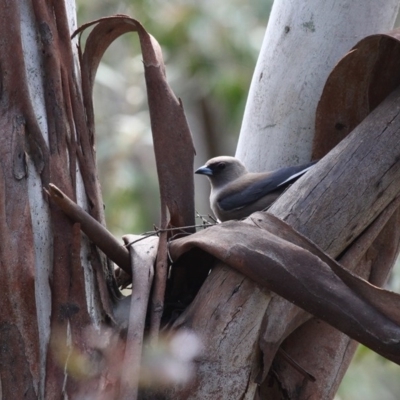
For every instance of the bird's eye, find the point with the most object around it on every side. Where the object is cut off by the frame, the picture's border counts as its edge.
(220, 166)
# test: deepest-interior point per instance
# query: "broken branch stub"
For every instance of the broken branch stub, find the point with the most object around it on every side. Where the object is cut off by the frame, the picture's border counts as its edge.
(95, 231)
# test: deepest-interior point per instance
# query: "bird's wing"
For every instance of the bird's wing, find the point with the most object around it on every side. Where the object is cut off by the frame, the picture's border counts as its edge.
(252, 187)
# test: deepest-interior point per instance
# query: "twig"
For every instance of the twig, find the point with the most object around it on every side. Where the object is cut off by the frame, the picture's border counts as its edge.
(205, 221)
(157, 231)
(144, 236)
(213, 219)
(96, 232)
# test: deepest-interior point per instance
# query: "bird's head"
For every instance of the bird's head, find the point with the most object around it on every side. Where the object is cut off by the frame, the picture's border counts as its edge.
(222, 170)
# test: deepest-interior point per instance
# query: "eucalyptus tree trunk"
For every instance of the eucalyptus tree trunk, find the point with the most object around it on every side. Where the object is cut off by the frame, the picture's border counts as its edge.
(53, 282)
(303, 42)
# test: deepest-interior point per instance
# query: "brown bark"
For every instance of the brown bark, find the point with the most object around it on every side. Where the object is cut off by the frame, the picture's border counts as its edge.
(38, 298)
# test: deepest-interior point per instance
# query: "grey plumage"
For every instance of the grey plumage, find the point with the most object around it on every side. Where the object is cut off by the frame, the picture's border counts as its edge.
(237, 193)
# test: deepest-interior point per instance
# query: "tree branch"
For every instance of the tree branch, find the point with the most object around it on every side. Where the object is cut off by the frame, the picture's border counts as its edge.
(96, 232)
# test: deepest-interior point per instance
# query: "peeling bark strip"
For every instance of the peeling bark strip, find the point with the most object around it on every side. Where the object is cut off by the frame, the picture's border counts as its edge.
(173, 144)
(356, 86)
(280, 260)
(143, 255)
(172, 140)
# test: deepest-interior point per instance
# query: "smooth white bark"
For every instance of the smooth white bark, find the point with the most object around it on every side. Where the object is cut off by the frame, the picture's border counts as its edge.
(40, 212)
(303, 42)
(39, 209)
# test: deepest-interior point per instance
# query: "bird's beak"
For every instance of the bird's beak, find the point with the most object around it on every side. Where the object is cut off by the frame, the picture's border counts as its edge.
(204, 171)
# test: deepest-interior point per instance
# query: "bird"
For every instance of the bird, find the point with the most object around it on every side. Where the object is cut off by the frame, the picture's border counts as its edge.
(237, 193)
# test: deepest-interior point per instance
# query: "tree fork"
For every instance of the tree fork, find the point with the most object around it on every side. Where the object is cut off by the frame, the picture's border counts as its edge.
(310, 207)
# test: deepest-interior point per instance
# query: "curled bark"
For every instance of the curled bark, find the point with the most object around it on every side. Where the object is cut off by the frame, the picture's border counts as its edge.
(274, 256)
(173, 144)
